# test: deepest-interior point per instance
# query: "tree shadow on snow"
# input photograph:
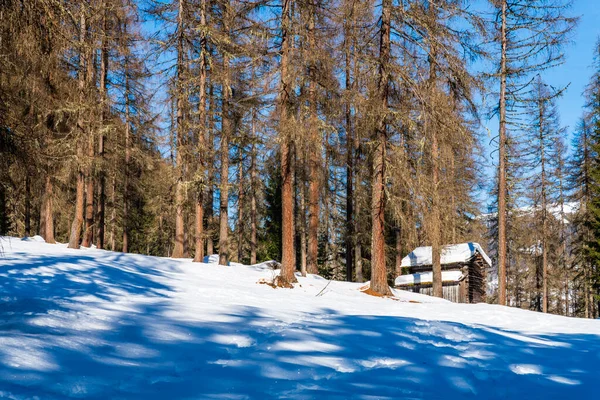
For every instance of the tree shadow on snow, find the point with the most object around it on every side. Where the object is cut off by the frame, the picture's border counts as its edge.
(89, 327)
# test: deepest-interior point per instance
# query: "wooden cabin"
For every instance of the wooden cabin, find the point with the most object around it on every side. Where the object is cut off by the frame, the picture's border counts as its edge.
(464, 269)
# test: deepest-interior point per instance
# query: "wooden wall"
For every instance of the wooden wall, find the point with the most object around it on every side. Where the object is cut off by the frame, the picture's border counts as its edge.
(451, 292)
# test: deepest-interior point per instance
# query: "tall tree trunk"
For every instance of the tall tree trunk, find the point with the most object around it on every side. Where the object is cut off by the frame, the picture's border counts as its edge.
(544, 212)
(435, 214)
(286, 277)
(453, 209)
(226, 132)
(253, 182)
(89, 170)
(103, 84)
(435, 227)
(314, 153)
(378, 265)
(126, 188)
(224, 186)
(201, 151)
(502, 191)
(77, 223)
(348, 60)
(327, 217)
(179, 248)
(210, 218)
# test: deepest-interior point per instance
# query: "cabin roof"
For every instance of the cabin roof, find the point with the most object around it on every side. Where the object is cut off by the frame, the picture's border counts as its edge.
(427, 277)
(451, 254)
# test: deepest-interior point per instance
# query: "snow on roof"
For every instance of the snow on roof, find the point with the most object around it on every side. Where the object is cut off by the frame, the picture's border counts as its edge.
(451, 254)
(427, 277)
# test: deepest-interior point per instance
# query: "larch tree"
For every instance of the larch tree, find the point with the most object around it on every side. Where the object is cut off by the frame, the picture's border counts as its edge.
(201, 130)
(84, 59)
(545, 131)
(286, 137)
(379, 284)
(529, 38)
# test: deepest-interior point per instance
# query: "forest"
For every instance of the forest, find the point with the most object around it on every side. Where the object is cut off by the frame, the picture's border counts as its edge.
(333, 136)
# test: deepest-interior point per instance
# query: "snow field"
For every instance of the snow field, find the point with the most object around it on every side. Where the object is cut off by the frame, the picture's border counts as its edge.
(97, 324)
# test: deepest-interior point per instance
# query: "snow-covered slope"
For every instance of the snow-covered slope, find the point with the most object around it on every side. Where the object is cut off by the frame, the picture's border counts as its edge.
(97, 324)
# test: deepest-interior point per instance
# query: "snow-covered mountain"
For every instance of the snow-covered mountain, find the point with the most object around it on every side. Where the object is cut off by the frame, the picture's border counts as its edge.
(99, 324)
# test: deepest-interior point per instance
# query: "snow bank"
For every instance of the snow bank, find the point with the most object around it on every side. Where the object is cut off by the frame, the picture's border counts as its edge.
(211, 259)
(270, 265)
(36, 238)
(99, 324)
(450, 254)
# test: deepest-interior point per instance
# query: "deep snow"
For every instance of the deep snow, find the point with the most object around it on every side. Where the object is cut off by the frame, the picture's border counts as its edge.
(97, 324)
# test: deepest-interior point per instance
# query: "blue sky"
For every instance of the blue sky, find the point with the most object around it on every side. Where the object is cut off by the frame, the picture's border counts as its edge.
(577, 68)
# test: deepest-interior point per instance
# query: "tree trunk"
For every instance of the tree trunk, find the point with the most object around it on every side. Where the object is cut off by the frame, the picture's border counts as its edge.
(544, 212)
(398, 270)
(436, 245)
(103, 84)
(286, 277)
(113, 214)
(253, 211)
(314, 153)
(125, 247)
(502, 191)
(47, 228)
(224, 186)
(201, 151)
(89, 170)
(358, 261)
(435, 226)
(378, 265)
(27, 205)
(210, 218)
(89, 197)
(77, 223)
(303, 235)
(179, 248)
(349, 149)
(240, 222)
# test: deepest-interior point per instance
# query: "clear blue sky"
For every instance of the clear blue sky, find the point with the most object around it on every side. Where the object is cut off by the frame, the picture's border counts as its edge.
(577, 69)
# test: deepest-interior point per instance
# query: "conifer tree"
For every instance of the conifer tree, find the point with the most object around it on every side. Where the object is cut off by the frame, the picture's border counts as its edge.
(529, 37)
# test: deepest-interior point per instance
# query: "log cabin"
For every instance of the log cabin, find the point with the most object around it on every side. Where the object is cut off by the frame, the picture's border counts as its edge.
(464, 268)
